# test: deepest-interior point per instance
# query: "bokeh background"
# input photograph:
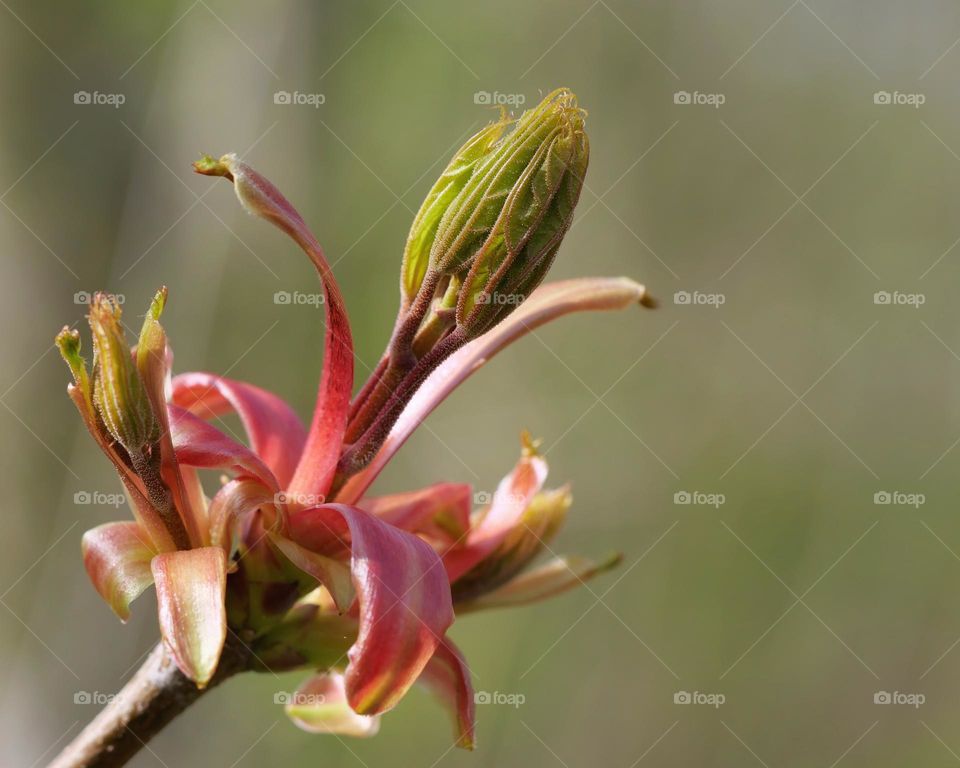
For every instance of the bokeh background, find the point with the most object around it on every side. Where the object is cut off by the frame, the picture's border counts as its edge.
(783, 385)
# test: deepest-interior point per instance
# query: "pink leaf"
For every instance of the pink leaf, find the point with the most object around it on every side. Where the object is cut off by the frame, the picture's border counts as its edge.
(441, 511)
(199, 444)
(320, 706)
(154, 358)
(319, 460)
(274, 429)
(448, 677)
(230, 508)
(191, 588)
(117, 558)
(510, 501)
(331, 573)
(148, 517)
(404, 599)
(546, 303)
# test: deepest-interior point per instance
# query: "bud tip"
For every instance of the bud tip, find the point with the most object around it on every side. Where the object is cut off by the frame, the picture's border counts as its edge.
(648, 301)
(529, 446)
(207, 166)
(158, 303)
(68, 342)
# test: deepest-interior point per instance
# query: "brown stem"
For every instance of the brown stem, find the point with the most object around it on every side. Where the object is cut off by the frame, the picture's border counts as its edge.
(397, 361)
(154, 696)
(395, 371)
(148, 469)
(407, 329)
(369, 386)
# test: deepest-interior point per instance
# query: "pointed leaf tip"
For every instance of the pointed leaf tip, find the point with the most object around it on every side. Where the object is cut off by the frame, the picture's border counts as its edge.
(208, 166)
(68, 342)
(320, 706)
(191, 588)
(529, 445)
(158, 303)
(118, 388)
(547, 303)
(552, 578)
(448, 677)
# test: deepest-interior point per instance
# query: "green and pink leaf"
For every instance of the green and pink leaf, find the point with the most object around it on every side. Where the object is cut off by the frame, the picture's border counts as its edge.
(314, 473)
(199, 444)
(276, 434)
(546, 303)
(117, 558)
(403, 595)
(552, 578)
(447, 676)
(191, 589)
(320, 706)
(510, 501)
(441, 511)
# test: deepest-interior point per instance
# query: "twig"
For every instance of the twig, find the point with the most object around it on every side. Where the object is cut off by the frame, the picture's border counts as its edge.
(154, 696)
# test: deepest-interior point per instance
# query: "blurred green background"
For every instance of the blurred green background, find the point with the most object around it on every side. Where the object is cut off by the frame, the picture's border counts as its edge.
(798, 398)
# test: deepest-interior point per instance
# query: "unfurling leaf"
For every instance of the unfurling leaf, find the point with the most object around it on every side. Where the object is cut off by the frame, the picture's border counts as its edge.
(274, 430)
(118, 390)
(448, 677)
(503, 228)
(320, 706)
(191, 586)
(551, 578)
(117, 558)
(547, 303)
(440, 512)
(527, 538)
(404, 600)
(423, 231)
(331, 573)
(509, 503)
(318, 462)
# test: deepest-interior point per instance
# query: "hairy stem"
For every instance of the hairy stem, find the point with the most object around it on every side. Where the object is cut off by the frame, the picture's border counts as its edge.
(154, 696)
(360, 452)
(367, 389)
(397, 362)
